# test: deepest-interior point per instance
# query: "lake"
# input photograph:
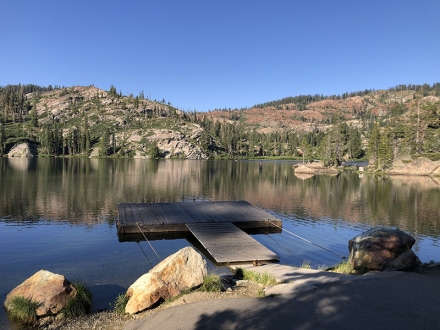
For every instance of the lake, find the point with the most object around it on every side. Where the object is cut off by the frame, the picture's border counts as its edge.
(60, 214)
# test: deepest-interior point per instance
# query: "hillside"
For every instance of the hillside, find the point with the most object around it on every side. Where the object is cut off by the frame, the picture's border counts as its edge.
(307, 116)
(90, 122)
(93, 122)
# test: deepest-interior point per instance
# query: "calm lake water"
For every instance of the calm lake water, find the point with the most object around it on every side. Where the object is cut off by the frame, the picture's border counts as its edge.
(60, 214)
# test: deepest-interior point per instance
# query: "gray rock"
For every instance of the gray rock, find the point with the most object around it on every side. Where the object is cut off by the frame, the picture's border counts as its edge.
(181, 271)
(382, 248)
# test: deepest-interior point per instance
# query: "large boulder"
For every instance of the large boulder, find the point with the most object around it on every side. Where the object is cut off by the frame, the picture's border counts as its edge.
(22, 150)
(419, 166)
(181, 271)
(382, 248)
(51, 291)
(316, 168)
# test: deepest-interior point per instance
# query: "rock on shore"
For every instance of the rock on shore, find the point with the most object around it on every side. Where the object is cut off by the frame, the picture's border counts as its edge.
(315, 168)
(51, 291)
(420, 166)
(181, 271)
(382, 248)
(22, 150)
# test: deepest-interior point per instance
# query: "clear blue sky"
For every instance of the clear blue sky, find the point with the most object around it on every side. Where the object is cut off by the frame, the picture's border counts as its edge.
(210, 54)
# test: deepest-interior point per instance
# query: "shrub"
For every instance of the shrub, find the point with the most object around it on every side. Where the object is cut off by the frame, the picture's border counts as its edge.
(239, 274)
(264, 279)
(81, 303)
(346, 268)
(23, 310)
(120, 303)
(211, 283)
(306, 264)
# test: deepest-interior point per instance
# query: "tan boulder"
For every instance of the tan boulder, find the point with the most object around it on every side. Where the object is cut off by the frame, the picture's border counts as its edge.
(21, 150)
(181, 271)
(317, 168)
(418, 166)
(51, 291)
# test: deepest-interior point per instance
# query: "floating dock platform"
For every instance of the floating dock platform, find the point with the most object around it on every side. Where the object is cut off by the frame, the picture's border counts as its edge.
(217, 225)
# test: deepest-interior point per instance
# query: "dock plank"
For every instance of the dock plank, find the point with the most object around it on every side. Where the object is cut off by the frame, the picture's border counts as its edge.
(227, 243)
(155, 215)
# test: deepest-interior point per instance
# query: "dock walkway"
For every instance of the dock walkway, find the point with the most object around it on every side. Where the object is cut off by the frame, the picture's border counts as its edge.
(225, 243)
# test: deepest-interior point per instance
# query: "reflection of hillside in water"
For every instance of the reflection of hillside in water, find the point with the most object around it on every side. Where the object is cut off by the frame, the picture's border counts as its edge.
(86, 191)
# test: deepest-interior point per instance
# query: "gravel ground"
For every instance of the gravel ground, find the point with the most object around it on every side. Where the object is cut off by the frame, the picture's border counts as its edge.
(109, 320)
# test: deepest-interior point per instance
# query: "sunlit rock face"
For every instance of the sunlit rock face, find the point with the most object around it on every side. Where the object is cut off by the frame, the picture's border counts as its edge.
(51, 291)
(181, 271)
(382, 248)
(22, 150)
(420, 166)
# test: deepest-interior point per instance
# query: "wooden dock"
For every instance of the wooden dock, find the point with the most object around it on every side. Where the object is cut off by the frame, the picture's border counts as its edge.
(227, 243)
(204, 219)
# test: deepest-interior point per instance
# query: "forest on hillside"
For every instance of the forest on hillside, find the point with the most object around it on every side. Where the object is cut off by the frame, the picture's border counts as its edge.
(86, 122)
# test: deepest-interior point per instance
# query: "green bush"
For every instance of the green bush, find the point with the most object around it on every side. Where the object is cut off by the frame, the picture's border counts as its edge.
(211, 283)
(120, 303)
(23, 310)
(306, 264)
(81, 303)
(239, 274)
(264, 279)
(344, 268)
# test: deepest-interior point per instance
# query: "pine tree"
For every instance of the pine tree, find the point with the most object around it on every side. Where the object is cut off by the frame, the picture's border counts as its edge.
(354, 145)
(105, 143)
(2, 139)
(385, 151)
(112, 91)
(88, 144)
(153, 151)
(373, 145)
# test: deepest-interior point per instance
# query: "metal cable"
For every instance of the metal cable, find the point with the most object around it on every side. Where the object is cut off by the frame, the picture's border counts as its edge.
(137, 224)
(297, 236)
(286, 249)
(144, 254)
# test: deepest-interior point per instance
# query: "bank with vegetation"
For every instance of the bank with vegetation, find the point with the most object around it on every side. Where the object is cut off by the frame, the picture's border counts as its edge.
(86, 121)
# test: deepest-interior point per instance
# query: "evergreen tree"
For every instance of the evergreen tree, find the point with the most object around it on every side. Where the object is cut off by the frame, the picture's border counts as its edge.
(354, 145)
(2, 138)
(385, 151)
(373, 145)
(306, 149)
(105, 143)
(88, 144)
(85, 136)
(112, 91)
(34, 118)
(154, 151)
(332, 147)
(432, 116)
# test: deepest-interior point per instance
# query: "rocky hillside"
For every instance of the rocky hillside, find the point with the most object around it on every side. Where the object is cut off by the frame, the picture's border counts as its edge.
(69, 116)
(353, 110)
(91, 122)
